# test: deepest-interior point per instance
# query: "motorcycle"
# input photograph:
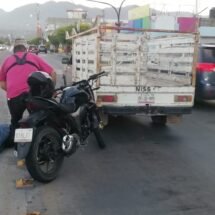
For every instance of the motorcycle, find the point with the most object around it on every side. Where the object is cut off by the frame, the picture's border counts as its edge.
(56, 127)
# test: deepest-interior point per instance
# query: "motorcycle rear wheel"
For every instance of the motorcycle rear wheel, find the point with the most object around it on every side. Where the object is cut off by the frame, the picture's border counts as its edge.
(45, 157)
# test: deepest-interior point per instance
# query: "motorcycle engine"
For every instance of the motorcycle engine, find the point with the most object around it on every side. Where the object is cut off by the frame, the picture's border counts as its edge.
(70, 143)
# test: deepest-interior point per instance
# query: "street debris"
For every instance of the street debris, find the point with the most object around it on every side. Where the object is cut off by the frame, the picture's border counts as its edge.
(21, 163)
(24, 183)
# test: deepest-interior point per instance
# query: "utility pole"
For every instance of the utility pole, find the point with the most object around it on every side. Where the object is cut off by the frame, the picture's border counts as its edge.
(117, 11)
(196, 7)
(103, 15)
(38, 28)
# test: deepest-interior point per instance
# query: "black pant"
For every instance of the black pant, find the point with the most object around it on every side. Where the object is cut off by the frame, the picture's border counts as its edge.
(17, 107)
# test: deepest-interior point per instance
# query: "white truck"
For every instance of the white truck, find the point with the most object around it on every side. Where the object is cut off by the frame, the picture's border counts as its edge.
(149, 72)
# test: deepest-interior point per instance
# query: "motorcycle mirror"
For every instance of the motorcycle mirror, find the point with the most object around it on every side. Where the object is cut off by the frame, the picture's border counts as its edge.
(64, 80)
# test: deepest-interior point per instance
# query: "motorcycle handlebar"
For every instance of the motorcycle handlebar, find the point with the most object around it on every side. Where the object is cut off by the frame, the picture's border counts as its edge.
(98, 75)
(59, 88)
(92, 77)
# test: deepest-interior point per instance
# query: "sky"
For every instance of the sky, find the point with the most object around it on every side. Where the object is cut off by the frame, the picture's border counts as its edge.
(165, 5)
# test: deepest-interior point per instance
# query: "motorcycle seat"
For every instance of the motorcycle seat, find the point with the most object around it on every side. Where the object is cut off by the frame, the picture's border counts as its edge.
(68, 108)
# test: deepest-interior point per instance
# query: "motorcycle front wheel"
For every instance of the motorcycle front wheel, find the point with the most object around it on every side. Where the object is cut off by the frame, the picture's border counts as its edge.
(45, 157)
(99, 138)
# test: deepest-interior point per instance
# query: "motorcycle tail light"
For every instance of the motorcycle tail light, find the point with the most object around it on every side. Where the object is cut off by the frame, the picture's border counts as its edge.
(182, 98)
(107, 98)
(23, 124)
(31, 106)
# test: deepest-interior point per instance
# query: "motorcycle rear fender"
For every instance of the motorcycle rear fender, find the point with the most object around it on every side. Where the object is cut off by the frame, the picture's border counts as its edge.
(33, 120)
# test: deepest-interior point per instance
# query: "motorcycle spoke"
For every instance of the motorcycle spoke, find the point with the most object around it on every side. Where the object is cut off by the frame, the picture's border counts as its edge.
(47, 166)
(48, 154)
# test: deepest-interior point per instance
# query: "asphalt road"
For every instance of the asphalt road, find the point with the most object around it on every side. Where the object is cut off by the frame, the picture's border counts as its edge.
(145, 170)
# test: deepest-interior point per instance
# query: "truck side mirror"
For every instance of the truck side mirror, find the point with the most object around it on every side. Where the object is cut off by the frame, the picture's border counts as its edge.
(65, 60)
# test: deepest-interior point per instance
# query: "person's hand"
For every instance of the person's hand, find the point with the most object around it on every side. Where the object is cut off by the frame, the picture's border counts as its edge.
(55, 94)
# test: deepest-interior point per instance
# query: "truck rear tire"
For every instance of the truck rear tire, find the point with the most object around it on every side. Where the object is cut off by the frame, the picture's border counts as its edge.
(159, 120)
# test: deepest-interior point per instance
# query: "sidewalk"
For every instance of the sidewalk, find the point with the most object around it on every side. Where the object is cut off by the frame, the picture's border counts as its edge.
(4, 112)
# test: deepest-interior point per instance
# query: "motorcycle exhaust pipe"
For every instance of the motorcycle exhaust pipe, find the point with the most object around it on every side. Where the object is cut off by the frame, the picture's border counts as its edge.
(70, 144)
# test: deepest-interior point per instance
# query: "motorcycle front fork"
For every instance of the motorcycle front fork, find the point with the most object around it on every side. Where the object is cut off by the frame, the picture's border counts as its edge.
(97, 123)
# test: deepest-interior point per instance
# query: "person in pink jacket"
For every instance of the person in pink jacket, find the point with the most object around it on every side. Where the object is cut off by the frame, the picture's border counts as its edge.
(14, 73)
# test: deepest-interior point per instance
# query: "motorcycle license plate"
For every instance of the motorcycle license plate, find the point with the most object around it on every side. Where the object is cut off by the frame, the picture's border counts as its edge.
(23, 135)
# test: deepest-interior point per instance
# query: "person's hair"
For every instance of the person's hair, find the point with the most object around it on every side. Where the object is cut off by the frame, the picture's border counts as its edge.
(19, 48)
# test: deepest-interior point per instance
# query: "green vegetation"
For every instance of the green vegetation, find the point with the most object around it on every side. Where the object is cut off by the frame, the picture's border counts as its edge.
(58, 38)
(4, 40)
(36, 41)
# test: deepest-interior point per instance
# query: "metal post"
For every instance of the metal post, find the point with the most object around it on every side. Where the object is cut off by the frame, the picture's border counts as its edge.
(196, 7)
(115, 9)
(120, 8)
(38, 21)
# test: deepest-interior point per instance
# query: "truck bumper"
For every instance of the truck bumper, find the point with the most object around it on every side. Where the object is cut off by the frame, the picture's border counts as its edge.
(145, 110)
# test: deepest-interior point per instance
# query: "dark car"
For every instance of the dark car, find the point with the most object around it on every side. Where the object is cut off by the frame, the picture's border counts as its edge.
(33, 49)
(205, 73)
(43, 49)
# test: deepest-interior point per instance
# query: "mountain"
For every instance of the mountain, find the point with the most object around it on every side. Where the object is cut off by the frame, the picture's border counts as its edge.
(23, 20)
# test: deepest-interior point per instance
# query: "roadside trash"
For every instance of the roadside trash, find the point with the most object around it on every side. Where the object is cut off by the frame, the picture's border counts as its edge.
(15, 153)
(24, 183)
(4, 134)
(21, 163)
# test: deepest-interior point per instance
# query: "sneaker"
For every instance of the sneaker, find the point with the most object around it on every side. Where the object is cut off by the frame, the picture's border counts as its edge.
(15, 153)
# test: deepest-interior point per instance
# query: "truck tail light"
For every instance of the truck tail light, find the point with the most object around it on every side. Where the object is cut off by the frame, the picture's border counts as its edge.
(183, 98)
(107, 98)
(205, 67)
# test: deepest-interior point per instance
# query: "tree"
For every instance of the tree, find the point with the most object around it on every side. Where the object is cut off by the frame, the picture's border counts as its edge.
(53, 40)
(85, 27)
(36, 41)
(59, 36)
(4, 40)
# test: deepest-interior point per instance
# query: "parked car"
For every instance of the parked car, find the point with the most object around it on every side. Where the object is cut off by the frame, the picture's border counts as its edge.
(2, 47)
(52, 48)
(42, 48)
(33, 49)
(205, 73)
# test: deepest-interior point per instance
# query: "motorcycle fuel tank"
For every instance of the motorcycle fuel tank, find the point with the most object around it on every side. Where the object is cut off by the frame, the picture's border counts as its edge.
(74, 95)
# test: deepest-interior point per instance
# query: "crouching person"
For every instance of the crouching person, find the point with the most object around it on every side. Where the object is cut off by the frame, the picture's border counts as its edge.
(14, 73)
